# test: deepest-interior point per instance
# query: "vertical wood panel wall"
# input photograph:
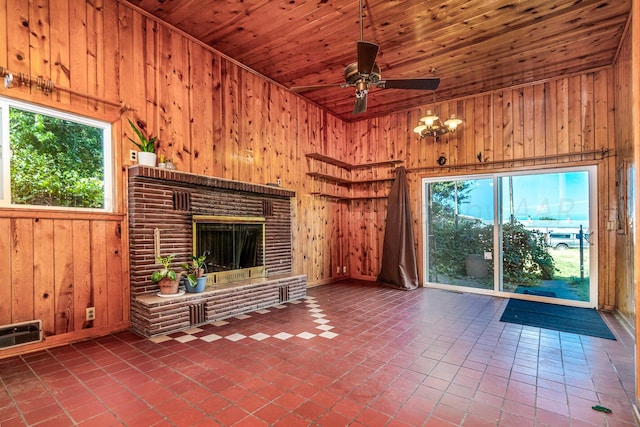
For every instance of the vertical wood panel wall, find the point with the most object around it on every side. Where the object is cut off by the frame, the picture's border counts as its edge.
(212, 117)
(564, 116)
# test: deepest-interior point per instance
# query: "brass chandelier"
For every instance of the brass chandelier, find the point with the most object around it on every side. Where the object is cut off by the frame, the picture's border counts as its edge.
(431, 125)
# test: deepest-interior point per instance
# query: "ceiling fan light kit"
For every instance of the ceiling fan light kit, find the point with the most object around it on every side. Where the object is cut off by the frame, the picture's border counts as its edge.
(365, 73)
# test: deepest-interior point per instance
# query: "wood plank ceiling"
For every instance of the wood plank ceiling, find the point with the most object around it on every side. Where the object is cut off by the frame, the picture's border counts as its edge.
(475, 46)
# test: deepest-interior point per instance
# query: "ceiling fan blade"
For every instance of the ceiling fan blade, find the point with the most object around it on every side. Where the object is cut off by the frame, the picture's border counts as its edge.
(360, 105)
(419, 84)
(367, 53)
(316, 87)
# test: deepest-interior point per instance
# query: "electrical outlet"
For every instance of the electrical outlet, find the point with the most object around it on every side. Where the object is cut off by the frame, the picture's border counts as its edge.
(279, 182)
(338, 269)
(91, 313)
(133, 155)
(344, 268)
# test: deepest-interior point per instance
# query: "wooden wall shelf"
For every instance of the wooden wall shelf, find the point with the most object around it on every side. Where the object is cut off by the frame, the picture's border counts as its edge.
(349, 166)
(349, 182)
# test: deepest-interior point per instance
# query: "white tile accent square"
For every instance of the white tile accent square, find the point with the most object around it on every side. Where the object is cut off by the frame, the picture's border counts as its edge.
(306, 335)
(328, 334)
(236, 337)
(318, 315)
(322, 321)
(282, 336)
(316, 310)
(159, 339)
(295, 302)
(211, 338)
(324, 327)
(280, 306)
(186, 338)
(220, 323)
(243, 316)
(313, 305)
(259, 336)
(192, 330)
(262, 311)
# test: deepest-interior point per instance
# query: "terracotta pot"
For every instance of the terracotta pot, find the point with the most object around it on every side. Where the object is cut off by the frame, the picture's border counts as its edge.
(169, 287)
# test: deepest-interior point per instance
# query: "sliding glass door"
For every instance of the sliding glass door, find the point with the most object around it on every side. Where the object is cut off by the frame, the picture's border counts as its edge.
(460, 232)
(527, 235)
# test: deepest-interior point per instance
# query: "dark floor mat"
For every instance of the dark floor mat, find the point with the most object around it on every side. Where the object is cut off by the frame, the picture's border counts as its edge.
(583, 321)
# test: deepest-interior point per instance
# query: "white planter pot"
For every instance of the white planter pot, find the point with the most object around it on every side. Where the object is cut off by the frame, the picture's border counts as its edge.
(146, 159)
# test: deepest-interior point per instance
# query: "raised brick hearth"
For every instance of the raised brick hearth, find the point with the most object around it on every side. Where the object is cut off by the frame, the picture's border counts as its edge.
(165, 200)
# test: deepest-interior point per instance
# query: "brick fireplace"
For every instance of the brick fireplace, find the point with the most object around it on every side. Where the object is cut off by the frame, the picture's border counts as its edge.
(162, 205)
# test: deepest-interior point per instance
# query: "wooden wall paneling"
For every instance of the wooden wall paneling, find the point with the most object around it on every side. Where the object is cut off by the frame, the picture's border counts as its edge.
(517, 124)
(63, 276)
(217, 122)
(39, 45)
(506, 125)
(200, 152)
(562, 119)
(18, 34)
(129, 77)
(82, 284)
(78, 58)
(574, 114)
(588, 118)
(528, 123)
(22, 303)
(99, 272)
(6, 291)
(147, 73)
(496, 119)
(539, 122)
(95, 53)
(117, 259)
(60, 48)
(230, 77)
(43, 277)
(173, 97)
(471, 140)
(551, 119)
(3, 40)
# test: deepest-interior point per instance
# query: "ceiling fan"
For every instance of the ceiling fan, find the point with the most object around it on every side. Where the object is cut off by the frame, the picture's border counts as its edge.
(365, 73)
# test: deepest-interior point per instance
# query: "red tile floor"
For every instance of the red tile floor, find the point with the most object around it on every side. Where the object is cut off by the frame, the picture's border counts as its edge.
(353, 353)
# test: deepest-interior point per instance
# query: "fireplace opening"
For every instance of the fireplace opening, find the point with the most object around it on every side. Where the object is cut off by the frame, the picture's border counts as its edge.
(234, 246)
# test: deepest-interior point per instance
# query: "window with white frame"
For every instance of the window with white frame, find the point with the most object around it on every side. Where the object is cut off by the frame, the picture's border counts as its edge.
(53, 159)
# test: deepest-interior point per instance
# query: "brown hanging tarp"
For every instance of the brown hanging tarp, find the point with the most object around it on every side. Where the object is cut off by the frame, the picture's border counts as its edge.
(399, 267)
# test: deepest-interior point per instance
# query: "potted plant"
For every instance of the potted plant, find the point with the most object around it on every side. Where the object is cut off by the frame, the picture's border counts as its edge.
(196, 280)
(146, 147)
(167, 278)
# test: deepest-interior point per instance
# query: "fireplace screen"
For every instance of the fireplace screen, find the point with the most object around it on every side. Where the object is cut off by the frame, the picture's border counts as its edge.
(232, 244)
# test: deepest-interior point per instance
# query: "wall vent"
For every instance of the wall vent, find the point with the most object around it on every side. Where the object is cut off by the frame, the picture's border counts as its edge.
(181, 201)
(283, 293)
(197, 314)
(267, 208)
(20, 333)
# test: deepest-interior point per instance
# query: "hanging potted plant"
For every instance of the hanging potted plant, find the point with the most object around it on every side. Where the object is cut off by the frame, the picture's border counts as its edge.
(196, 280)
(167, 278)
(146, 147)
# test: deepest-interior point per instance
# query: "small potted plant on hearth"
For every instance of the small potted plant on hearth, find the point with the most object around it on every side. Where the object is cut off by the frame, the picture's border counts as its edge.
(167, 278)
(196, 280)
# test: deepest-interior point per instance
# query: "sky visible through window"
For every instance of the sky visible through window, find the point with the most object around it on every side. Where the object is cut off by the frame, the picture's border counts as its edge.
(551, 196)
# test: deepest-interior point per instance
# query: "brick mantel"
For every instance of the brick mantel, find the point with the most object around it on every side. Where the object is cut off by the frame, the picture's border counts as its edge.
(208, 181)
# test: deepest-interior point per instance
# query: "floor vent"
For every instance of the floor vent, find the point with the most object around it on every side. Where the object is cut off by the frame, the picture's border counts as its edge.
(197, 314)
(283, 293)
(20, 333)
